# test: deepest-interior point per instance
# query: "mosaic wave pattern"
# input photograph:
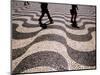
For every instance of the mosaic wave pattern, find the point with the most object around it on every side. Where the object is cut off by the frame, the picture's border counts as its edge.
(60, 47)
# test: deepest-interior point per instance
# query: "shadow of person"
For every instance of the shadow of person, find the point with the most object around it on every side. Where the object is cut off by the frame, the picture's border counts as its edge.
(73, 12)
(44, 10)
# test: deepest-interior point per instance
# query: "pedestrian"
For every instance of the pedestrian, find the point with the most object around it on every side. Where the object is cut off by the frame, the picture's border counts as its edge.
(73, 12)
(44, 10)
(26, 3)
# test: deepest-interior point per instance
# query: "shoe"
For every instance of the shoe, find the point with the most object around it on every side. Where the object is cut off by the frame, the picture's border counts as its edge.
(75, 26)
(44, 26)
(51, 22)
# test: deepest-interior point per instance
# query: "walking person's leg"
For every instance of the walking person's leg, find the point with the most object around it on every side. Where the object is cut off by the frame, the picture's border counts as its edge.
(71, 12)
(75, 22)
(24, 3)
(72, 16)
(40, 19)
(28, 3)
(75, 16)
(49, 17)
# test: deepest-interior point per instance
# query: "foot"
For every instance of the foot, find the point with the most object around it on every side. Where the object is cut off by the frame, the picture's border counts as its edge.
(51, 22)
(44, 26)
(75, 26)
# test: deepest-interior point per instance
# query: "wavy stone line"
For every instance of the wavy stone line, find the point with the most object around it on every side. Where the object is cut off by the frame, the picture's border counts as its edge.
(87, 37)
(79, 20)
(81, 56)
(61, 21)
(84, 38)
(81, 27)
(51, 28)
(25, 24)
(39, 13)
(18, 52)
(53, 13)
(18, 35)
(45, 58)
(19, 10)
(84, 58)
(64, 21)
(53, 16)
(18, 15)
(40, 69)
(60, 16)
(57, 16)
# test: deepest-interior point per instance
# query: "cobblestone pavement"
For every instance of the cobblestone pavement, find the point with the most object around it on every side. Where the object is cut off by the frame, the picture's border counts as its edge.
(60, 47)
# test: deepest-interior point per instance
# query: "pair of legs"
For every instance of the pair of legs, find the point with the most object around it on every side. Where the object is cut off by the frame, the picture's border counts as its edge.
(43, 13)
(73, 18)
(26, 3)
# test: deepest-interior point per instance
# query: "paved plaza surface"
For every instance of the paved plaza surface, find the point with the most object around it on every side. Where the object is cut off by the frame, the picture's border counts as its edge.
(60, 47)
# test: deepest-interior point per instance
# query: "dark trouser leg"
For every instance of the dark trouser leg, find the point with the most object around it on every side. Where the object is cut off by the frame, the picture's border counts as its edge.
(24, 3)
(40, 19)
(27, 3)
(51, 20)
(75, 17)
(74, 22)
(72, 18)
